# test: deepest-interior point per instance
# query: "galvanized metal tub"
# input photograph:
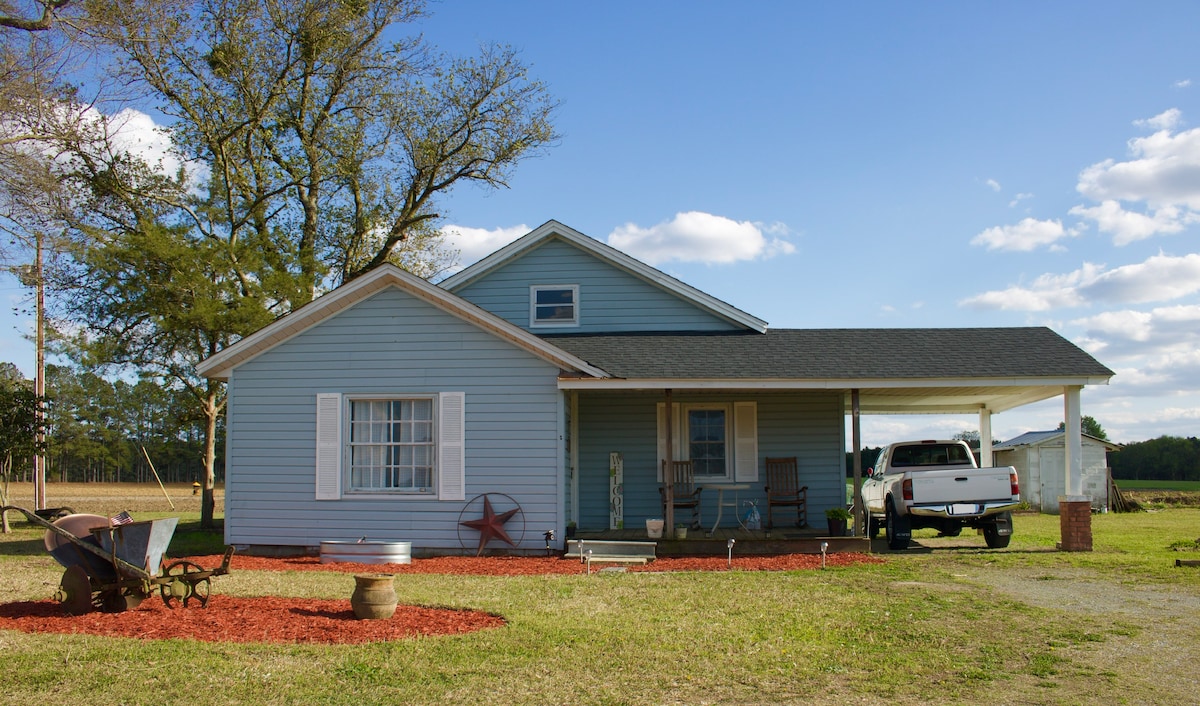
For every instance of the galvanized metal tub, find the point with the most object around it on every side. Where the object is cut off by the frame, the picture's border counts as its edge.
(369, 552)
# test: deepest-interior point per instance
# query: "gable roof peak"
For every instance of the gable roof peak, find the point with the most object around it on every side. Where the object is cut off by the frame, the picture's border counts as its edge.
(553, 229)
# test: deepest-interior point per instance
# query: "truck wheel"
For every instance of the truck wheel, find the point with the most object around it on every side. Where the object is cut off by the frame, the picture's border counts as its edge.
(872, 527)
(899, 530)
(992, 535)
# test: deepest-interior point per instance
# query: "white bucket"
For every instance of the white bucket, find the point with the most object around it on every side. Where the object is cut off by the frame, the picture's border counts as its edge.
(654, 529)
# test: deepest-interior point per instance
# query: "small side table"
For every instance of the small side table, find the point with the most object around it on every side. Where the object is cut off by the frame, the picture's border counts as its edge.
(721, 504)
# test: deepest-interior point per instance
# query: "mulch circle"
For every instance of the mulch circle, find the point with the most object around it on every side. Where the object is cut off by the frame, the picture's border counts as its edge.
(270, 619)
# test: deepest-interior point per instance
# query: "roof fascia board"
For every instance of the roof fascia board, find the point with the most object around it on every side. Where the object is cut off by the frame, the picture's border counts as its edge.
(611, 383)
(611, 254)
(325, 306)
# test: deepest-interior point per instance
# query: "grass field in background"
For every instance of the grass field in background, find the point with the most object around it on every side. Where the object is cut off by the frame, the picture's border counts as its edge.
(1182, 485)
(922, 627)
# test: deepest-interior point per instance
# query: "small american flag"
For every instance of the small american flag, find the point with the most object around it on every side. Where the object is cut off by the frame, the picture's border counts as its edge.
(123, 518)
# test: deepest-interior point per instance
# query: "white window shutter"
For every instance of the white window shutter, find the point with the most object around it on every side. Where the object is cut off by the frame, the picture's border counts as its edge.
(329, 446)
(745, 443)
(678, 447)
(451, 446)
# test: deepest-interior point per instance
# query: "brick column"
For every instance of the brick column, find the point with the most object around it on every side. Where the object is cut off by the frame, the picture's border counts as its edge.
(1075, 523)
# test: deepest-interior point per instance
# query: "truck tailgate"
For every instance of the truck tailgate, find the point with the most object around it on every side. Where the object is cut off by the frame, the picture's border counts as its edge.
(971, 485)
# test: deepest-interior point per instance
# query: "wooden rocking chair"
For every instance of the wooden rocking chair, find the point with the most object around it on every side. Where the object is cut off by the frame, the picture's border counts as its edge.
(686, 495)
(784, 490)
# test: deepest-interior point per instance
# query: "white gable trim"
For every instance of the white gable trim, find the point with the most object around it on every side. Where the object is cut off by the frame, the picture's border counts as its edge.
(220, 366)
(639, 269)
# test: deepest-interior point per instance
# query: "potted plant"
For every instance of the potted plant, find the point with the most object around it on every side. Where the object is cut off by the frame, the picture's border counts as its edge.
(571, 529)
(837, 518)
(681, 531)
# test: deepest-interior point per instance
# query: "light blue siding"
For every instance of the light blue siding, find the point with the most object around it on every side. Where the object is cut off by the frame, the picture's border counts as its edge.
(390, 343)
(611, 300)
(809, 426)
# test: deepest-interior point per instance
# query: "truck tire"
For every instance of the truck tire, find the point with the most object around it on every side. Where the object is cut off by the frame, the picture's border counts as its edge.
(872, 527)
(899, 530)
(992, 535)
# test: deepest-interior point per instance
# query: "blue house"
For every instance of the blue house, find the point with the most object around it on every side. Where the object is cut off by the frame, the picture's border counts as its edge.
(390, 407)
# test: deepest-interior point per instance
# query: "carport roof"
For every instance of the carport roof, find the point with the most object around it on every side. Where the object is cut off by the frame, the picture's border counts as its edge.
(895, 370)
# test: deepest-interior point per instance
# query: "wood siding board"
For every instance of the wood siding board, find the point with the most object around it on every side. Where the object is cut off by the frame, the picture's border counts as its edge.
(809, 426)
(610, 298)
(511, 433)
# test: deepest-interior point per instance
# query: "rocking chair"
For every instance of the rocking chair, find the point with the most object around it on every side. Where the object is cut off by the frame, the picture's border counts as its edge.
(686, 495)
(784, 490)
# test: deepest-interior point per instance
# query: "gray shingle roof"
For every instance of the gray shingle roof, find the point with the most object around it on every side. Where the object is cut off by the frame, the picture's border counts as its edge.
(837, 354)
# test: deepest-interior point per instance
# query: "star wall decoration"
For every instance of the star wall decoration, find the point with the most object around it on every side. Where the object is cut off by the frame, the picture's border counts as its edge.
(491, 525)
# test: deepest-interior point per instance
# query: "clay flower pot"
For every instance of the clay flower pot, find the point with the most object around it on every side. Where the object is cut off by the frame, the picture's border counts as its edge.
(374, 596)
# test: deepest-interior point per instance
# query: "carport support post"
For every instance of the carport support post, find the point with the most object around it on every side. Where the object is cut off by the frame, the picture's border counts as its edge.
(985, 437)
(1074, 508)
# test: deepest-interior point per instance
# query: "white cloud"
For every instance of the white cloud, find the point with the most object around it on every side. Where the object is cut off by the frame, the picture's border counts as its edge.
(1182, 84)
(700, 237)
(1164, 170)
(1027, 235)
(1128, 332)
(1128, 226)
(1018, 199)
(474, 244)
(1166, 120)
(995, 185)
(1159, 278)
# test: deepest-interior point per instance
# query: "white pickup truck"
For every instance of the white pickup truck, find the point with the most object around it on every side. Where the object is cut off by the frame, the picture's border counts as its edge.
(937, 484)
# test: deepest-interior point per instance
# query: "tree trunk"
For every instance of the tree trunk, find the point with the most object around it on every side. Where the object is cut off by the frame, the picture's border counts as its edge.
(207, 501)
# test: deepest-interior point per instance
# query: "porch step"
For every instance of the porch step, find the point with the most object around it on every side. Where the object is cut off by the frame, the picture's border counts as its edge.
(611, 551)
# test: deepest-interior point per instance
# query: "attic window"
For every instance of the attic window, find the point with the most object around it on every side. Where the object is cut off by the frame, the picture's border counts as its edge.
(554, 305)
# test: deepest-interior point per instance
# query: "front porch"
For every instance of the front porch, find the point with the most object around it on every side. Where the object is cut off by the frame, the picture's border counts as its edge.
(788, 540)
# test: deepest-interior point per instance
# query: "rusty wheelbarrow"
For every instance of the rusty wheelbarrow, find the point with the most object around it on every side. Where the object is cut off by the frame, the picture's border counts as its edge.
(114, 567)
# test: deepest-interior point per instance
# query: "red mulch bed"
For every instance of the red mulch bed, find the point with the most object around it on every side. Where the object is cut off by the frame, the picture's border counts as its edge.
(326, 621)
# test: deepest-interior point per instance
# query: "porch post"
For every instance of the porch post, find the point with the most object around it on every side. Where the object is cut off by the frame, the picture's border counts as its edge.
(985, 437)
(1073, 424)
(856, 438)
(669, 474)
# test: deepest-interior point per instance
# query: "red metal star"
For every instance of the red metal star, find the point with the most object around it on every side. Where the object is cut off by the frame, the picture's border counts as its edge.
(491, 525)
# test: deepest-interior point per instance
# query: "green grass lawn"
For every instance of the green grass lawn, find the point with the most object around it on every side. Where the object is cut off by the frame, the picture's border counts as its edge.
(919, 628)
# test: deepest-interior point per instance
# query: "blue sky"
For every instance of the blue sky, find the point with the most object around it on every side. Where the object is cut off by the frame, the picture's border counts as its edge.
(870, 164)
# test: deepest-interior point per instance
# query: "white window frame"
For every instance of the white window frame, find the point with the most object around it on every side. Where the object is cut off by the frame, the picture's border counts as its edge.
(535, 322)
(741, 438)
(350, 444)
(332, 457)
(685, 450)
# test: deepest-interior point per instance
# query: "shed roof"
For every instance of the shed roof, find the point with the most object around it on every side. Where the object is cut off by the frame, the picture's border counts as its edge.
(1033, 438)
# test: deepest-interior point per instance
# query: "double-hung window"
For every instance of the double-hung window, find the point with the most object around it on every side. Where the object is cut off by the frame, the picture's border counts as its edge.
(719, 438)
(707, 432)
(400, 444)
(554, 305)
(392, 445)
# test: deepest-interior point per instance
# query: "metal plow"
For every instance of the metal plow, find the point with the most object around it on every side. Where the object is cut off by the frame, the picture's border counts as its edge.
(114, 567)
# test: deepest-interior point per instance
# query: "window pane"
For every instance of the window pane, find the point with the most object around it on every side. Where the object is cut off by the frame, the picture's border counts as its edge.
(391, 444)
(555, 296)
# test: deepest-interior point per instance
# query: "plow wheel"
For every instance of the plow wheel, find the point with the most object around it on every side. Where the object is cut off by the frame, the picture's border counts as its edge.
(75, 591)
(179, 587)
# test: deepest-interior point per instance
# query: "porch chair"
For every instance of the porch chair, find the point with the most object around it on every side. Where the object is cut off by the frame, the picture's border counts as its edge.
(686, 495)
(784, 490)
